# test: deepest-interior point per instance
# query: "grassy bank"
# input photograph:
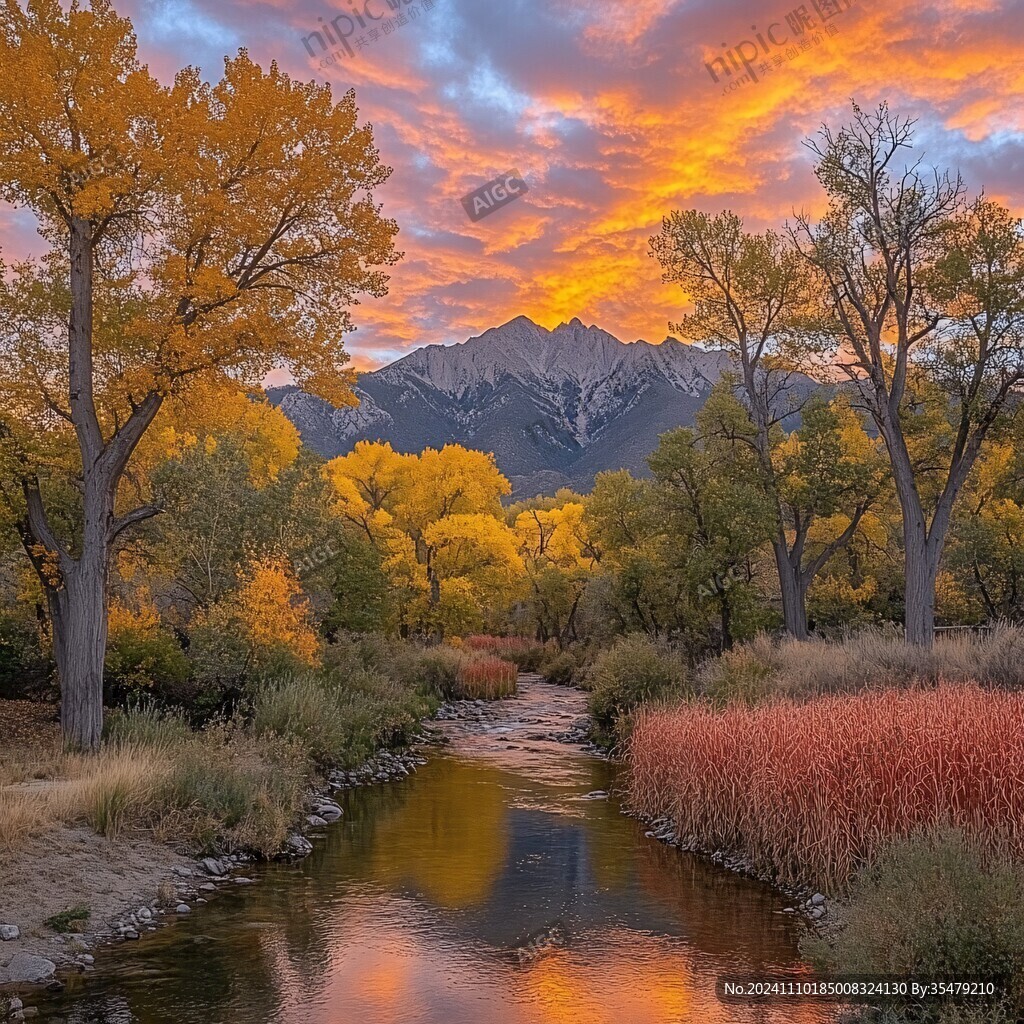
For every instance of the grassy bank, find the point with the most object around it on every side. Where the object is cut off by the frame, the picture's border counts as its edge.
(240, 781)
(888, 777)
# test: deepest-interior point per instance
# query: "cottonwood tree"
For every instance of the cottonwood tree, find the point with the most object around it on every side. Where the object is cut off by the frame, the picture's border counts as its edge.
(196, 232)
(749, 293)
(927, 295)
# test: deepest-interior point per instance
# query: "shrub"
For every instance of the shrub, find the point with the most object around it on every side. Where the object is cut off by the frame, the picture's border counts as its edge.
(813, 791)
(934, 905)
(70, 920)
(218, 789)
(873, 658)
(226, 790)
(339, 720)
(634, 671)
(559, 668)
(438, 671)
(145, 724)
(26, 670)
(143, 654)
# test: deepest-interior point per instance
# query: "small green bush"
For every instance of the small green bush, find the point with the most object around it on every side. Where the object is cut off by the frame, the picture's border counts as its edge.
(339, 719)
(438, 670)
(745, 674)
(145, 659)
(635, 670)
(560, 668)
(228, 790)
(143, 723)
(70, 920)
(937, 906)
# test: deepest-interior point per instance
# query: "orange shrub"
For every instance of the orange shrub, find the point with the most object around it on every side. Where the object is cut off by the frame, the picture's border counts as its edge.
(484, 678)
(811, 792)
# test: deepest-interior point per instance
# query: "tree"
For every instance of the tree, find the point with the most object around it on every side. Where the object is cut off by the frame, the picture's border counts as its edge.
(559, 558)
(413, 506)
(198, 233)
(713, 501)
(749, 292)
(827, 474)
(927, 294)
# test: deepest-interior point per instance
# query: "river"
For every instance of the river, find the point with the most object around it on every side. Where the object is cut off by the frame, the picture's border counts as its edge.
(491, 887)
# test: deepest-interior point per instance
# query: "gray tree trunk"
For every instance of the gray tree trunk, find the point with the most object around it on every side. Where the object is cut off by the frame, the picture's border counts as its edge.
(792, 589)
(79, 616)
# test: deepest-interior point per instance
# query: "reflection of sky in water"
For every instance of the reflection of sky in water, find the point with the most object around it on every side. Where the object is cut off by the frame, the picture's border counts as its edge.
(481, 890)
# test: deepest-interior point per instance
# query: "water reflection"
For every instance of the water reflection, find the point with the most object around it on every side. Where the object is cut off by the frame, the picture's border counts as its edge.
(471, 893)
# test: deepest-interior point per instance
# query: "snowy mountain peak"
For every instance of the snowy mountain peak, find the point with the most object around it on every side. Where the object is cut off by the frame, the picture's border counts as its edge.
(555, 406)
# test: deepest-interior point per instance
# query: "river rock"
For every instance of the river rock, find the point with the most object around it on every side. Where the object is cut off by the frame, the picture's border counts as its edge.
(817, 900)
(328, 811)
(183, 908)
(315, 820)
(208, 887)
(28, 969)
(9, 932)
(298, 846)
(130, 933)
(213, 867)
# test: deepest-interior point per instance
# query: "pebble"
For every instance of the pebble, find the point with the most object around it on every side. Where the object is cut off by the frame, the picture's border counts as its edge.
(183, 908)
(244, 881)
(208, 887)
(9, 932)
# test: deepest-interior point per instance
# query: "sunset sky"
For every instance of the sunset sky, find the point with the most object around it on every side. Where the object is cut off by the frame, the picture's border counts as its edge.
(608, 110)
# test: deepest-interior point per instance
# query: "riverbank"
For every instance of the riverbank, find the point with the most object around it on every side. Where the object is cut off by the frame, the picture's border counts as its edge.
(500, 881)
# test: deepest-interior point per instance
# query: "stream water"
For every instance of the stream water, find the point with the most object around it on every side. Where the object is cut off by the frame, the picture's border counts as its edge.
(491, 887)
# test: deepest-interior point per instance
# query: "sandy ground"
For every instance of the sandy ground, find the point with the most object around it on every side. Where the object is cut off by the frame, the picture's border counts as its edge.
(69, 867)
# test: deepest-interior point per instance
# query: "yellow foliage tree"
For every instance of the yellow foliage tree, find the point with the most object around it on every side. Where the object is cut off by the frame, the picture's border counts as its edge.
(274, 613)
(198, 232)
(437, 517)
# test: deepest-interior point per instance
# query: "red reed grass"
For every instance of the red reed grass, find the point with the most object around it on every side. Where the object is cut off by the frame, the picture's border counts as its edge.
(810, 792)
(500, 644)
(485, 678)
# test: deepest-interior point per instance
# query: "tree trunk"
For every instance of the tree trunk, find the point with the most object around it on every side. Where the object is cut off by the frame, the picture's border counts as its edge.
(79, 612)
(726, 613)
(794, 604)
(922, 568)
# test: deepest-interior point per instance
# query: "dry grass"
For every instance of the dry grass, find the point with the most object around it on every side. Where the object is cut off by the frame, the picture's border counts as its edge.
(813, 791)
(764, 667)
(106, 791)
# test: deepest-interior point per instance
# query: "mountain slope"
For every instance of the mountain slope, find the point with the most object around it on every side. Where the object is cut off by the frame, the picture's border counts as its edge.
(555, 407)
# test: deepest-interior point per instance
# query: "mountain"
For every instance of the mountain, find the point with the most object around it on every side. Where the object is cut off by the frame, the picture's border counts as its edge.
(555, 407)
